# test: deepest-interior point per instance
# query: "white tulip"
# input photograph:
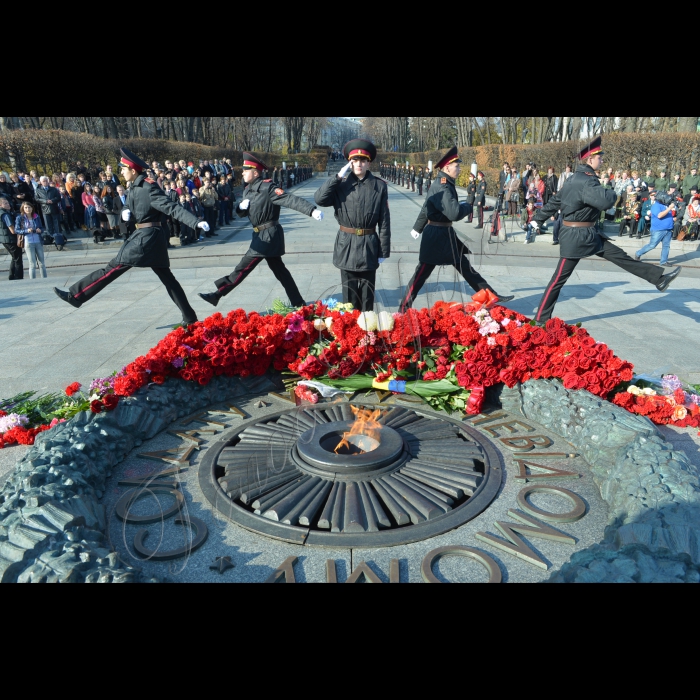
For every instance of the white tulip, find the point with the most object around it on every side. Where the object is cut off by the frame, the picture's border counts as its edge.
(368, 321)
(329, 323)
(385, 322)
(320, 325)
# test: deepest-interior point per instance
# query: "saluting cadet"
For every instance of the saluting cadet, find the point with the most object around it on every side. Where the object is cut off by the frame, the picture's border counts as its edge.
(146, 205)
(581, 203)
(261, 203)
(440, 244)
(361, 203)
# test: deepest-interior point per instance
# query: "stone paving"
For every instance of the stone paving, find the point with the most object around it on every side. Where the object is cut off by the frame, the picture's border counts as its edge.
(52, 344)
(49, 345)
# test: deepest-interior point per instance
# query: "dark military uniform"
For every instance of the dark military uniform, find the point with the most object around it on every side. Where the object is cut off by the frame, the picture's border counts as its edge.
(480, 200)
(440, 244)
(362, 210)
(148, 247)
(471, 197)
(268, 237)
(420, 179)
(430, 180)
(581, 202)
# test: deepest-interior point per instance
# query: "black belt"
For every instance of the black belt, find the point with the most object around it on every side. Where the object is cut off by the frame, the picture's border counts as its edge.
(441, 224)
(263, 227)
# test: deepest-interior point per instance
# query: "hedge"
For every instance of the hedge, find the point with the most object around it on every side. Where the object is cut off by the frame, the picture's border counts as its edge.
(670, 152)
(50, 151)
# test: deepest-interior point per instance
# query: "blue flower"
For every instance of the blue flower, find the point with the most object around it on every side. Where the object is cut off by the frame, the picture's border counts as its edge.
(330, 304)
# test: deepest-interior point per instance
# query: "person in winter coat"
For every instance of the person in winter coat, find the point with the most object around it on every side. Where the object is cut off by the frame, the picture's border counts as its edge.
(361, 204)
(261, 203)
(515, 185)
(526, 218)
(551, 185)
(420, 180)
(49, 198)
(440, 244)
(28, 224)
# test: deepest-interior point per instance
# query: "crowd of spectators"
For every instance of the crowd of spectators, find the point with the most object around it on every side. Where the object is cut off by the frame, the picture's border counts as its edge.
(91, 197)
(522, 193)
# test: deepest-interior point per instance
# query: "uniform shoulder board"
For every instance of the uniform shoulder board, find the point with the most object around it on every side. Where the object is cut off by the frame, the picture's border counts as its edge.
(267, 180)
(279, 191)
(443, 181)
(150, 181)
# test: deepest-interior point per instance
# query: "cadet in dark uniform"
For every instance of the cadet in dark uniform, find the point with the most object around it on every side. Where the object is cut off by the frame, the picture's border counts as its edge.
(581, 203)
(430, 180)
(419, 181)
(471, 195)
(261, 203)
(480, 197)
(440, 244)
(146, 205)
(361, 203)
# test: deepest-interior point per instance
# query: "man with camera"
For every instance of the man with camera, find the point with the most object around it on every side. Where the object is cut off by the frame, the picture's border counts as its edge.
(662, 225)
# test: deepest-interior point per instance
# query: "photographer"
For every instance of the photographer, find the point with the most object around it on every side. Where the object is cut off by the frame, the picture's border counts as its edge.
(662, 224)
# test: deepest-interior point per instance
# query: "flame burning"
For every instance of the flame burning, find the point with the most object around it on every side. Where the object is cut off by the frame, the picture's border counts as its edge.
(366, 424)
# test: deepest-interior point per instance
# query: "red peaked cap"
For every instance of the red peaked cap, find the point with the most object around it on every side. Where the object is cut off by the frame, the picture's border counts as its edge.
(360, 147)
(251, 162)
(452, 156)
(129, 160)
(594, 149)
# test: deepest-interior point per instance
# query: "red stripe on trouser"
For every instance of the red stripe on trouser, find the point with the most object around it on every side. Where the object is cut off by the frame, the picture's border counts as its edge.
(104, 277)
(238, 279)
(551, 287)
(413, 286)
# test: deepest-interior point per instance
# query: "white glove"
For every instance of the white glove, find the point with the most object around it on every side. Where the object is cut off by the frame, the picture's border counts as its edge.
(317, 214)
(345, 171)
(204, 226)
(382, 261)
(415, 235)
(126, 215)
(535, 225)
(244, 205)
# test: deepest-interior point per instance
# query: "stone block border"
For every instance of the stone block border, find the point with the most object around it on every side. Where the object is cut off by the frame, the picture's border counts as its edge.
(652, 489)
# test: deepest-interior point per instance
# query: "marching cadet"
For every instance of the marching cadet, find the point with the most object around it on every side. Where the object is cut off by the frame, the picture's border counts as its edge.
(413, 179)
(440, 244)
(581, 203)
(471, 195)
(146, 206)
(361, 203)
(261, 203)
(419, 181)
(480, 197)
(430, 180)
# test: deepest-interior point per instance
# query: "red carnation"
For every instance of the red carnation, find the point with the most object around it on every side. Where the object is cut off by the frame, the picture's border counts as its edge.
(110, 402)
(73, 389)
(96, 407)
